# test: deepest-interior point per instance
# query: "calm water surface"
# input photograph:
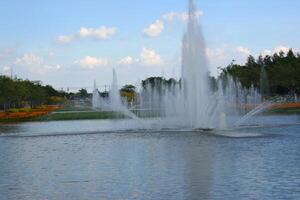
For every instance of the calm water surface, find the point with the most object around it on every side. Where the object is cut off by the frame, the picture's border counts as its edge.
(99, 160)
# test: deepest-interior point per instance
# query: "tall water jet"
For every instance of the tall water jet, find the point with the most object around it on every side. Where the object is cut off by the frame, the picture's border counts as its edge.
(195, 85)
(114, 94)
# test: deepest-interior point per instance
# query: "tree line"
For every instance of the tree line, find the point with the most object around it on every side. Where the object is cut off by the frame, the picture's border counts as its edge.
(18, 93)
(282, 71)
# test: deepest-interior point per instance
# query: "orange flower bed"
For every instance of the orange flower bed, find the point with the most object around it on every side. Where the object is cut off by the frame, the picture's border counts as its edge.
(275, 106)
(286, 105)
(24, 115)
(2, 114)
(29, 114)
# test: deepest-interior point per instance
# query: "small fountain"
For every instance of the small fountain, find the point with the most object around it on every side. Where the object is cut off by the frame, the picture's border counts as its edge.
(115, 102)
(264, 84)
(96, 100)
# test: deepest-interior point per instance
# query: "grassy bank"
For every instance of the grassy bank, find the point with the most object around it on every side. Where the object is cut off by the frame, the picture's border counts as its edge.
(285, 108)
(285, 111)
(61, 116)
(83, 115)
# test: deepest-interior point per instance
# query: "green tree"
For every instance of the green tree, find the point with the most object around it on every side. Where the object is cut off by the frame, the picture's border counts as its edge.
(83, 93)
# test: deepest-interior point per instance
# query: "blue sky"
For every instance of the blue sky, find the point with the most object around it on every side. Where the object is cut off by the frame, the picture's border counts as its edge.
(70, 43)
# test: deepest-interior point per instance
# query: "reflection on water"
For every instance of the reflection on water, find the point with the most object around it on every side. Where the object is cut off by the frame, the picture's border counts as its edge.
(255, 163)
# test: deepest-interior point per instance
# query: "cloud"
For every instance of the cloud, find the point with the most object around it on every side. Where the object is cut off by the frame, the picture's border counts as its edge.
(224, 55)
(275, 50)
(65, 39)
(243, 50)
(29, 60)
(128, 60)
(102, 33)
(35, 64)
(154, 29)
(6, 70)
(181, 16)
(150, 58)
(89, 62)
(281, 48)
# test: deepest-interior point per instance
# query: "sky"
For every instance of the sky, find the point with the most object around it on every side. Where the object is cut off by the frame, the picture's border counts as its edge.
(69, 44)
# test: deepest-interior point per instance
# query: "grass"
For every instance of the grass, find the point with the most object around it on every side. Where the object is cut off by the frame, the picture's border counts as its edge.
(285, 111)
(85, 115)
(73, 108)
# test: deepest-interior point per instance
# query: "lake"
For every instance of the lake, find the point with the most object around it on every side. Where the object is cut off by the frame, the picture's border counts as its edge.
(107, 159)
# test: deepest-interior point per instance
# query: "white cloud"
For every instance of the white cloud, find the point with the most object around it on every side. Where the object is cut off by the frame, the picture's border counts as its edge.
(150, 58)
(154, 29)
(35, 64)
(6, 70)
(275, 50)
(243, 50)
(128, 60)
(65, 39)
(89, 62)
(281, 48)
(29, 60)
(181, 16)
(99, 33)
(223, 56)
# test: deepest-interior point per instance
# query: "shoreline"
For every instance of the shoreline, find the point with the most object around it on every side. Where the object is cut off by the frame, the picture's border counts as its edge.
(56, 113)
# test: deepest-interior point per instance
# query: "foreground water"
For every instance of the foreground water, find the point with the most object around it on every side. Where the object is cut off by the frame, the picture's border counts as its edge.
(99, 160)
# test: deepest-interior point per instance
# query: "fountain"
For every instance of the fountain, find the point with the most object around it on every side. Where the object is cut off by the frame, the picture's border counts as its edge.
(96, 100)
(191, 102)
(114, 95)
(264, 83)
(195, 86)
(114, 102)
